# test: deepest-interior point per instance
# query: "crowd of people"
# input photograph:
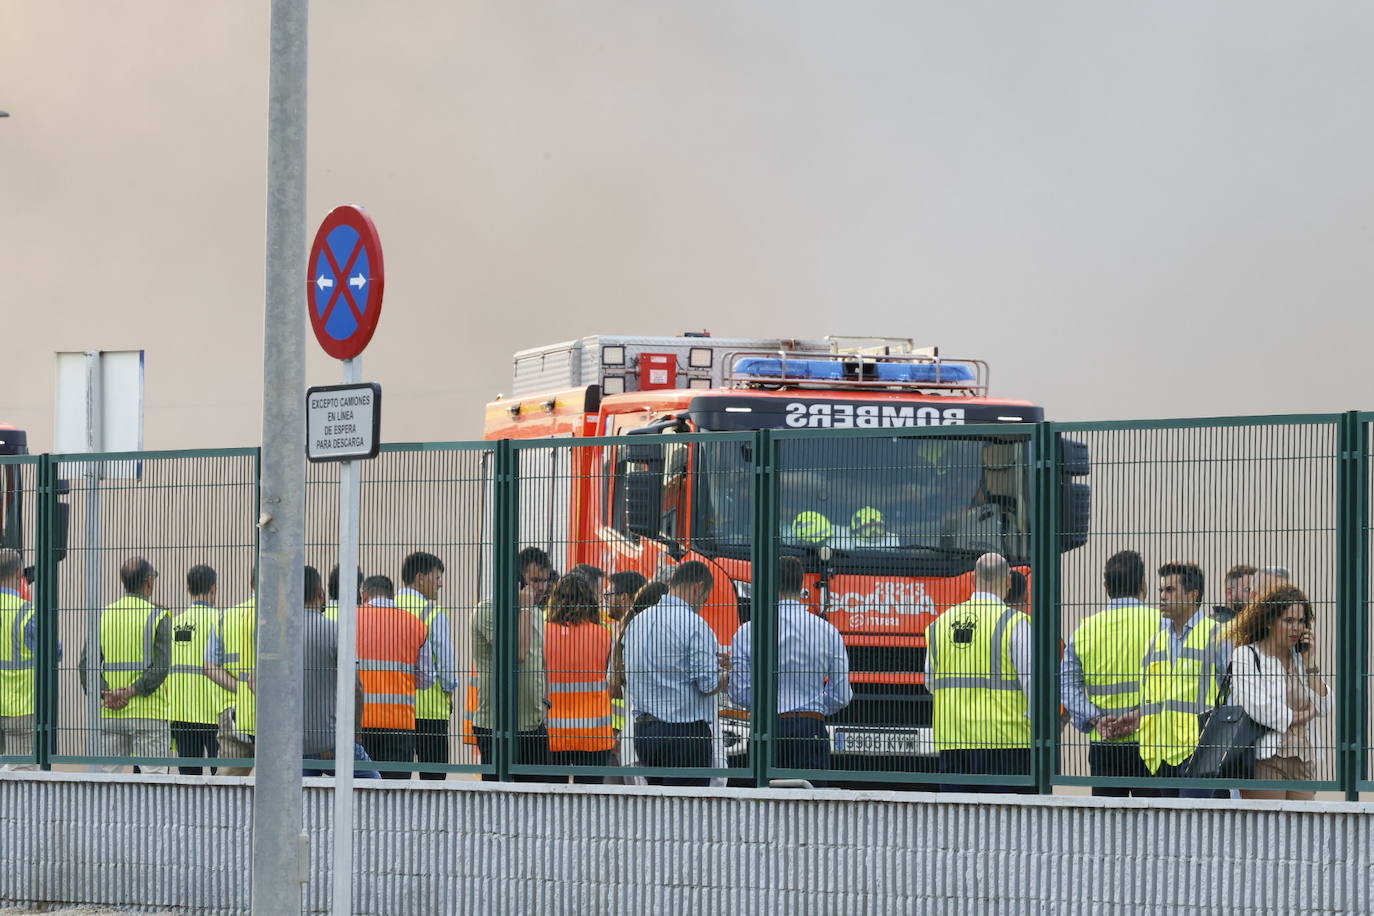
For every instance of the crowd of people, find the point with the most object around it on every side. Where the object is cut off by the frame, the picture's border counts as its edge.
(1135, 676)
(617, 670)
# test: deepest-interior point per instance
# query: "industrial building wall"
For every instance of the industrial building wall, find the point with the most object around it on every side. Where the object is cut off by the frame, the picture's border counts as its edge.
(182, 844)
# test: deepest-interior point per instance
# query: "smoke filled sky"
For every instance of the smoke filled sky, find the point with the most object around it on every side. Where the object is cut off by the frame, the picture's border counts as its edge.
(1128, 210)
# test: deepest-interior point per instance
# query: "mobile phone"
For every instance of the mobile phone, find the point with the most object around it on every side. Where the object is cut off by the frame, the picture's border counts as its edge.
(1302, 647)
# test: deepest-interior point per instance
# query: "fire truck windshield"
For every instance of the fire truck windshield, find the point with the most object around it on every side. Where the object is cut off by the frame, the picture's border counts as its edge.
(875, 501)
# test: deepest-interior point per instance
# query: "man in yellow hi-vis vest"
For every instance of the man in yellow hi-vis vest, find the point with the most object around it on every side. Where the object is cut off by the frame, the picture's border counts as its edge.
(196, 700)
(18, 662)
(230, 657)
(1180, 675)
(1100, 675)
(423, 575)
(135, 654)
(978, 667)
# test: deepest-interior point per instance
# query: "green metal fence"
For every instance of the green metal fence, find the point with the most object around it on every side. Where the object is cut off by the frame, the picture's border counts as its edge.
(886, 525)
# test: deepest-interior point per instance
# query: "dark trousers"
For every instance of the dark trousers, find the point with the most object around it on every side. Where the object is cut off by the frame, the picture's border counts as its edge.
(390, 744)
(531, 749)
(1170, 771)
(673, 744)
(431, 744)
(802, 744)
(195, 739)
(1111, 758)
(1013, 761)
(582, 759)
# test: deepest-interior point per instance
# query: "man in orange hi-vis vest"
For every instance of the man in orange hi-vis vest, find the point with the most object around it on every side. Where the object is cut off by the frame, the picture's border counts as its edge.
(577, 650)
(394, 663)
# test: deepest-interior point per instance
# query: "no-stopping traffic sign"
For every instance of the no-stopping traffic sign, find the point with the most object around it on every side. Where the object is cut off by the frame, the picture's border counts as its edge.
(344, 282)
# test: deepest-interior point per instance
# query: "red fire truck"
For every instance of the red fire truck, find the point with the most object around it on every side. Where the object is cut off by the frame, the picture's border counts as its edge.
(887, 528)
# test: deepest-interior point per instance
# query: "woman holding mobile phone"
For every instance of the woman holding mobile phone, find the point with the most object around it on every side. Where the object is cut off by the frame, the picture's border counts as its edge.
(1274, 676)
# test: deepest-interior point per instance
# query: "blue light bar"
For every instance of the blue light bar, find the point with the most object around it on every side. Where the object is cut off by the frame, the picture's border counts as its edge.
(833, 369)
(764, 367)
(924, 372)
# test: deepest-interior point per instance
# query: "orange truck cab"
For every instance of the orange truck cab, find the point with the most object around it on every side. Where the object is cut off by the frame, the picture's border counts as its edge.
(887, 528)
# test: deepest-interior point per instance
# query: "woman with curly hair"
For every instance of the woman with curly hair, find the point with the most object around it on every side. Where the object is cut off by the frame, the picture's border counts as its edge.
(1274, 677)
(577, 649)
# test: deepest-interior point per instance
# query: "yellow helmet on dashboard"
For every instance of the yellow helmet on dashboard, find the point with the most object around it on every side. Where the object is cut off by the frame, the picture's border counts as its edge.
(868, 523)
(812, 527)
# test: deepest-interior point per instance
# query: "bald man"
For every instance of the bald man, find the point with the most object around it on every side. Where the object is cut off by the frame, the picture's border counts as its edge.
(135, 656)
(978, 667)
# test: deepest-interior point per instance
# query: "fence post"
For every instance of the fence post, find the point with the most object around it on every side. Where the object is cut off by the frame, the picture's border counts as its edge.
(505, 600)
(764, 609)
(1045, 456)
(45, 604)
(1352, 549)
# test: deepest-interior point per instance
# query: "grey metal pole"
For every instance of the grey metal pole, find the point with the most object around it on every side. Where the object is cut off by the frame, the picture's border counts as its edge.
(95, 442)
(350, 479)
(278, 843)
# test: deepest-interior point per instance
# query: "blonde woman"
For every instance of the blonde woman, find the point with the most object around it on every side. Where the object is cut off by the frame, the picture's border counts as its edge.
(1274, 677)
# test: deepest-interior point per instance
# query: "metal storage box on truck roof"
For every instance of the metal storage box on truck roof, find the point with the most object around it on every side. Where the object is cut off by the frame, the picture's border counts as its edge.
(600, 357)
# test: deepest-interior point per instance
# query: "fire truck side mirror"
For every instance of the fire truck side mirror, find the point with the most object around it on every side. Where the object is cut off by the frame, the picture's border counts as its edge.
(641, 474)
(59, 535)
(1075, 495)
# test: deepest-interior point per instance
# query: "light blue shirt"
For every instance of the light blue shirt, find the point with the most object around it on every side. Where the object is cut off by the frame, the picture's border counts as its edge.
(813, 666)
(440, 644)
(1081, 709)
(670, 663)
(31, 628)
(214, 648)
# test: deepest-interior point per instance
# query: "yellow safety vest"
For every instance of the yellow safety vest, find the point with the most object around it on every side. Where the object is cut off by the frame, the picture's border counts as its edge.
(434, 702)
(238, 633)
(617, 703)
(1173, 694)
(17, 663)
(194, 697)
(1110, 644)
(127, 630)
(978, 700)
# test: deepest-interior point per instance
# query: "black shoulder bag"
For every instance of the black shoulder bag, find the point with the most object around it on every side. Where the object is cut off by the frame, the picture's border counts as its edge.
(1226, 745)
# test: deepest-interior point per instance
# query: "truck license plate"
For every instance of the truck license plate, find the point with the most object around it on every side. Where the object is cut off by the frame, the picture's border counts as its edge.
(898, 742)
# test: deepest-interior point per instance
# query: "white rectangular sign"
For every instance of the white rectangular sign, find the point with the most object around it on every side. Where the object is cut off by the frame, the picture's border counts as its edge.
(98, 407)
(343, 422)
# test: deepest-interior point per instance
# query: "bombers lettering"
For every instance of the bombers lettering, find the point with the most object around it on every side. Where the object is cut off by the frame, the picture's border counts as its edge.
(827, 415)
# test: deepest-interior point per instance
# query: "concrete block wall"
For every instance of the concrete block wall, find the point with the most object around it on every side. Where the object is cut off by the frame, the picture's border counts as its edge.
(184, 844)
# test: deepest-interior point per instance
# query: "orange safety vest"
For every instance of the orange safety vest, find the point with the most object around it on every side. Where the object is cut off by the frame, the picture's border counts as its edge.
(389, 642)
(575, 659)
(470, 703)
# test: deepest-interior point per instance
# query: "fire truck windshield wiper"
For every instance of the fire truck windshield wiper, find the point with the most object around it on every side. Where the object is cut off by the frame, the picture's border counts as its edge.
(947, 551)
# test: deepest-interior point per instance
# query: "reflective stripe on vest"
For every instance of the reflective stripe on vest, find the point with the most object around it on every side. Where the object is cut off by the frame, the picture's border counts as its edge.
(1111, 645)
(979, 702)
(434, 702)
(575, 657)
(1173, 693)
(17, 663)
(128, 628)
